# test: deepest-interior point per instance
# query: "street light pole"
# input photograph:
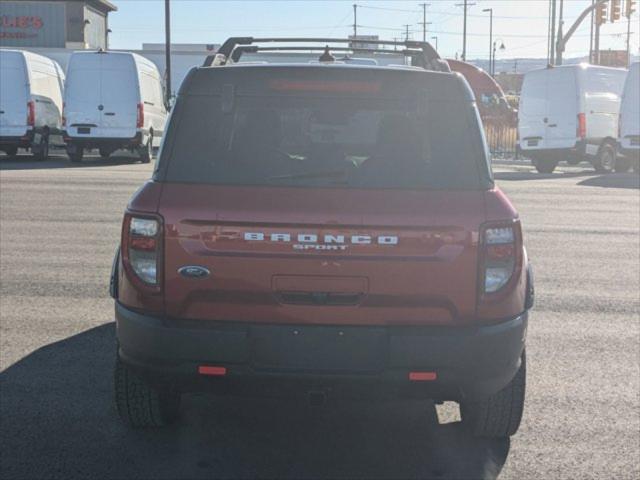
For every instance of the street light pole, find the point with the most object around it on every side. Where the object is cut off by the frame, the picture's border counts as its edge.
(490, 10)
(167, 50)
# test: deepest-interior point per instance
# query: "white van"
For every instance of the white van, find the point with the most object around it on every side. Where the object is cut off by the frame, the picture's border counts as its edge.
(31, 89)
(629, 127)
(113, 100)
(570, 113)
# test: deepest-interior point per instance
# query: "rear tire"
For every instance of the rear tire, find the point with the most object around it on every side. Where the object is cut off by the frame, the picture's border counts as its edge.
(76, 154)
(498, 416)
(623, 164)
(105, 153)
(574, 159)
(11, 151)
(545, 164)
(146, 152)
(139, 404)
(605, 160)
(40, 151)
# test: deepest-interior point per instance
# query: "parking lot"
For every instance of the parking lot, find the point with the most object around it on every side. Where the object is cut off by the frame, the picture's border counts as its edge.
(59, 227)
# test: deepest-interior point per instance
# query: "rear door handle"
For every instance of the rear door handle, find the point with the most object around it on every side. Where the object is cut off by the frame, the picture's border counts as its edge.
(109, 114)
(553, 125)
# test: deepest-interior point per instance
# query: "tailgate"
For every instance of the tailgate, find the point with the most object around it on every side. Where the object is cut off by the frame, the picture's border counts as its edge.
(325, 256)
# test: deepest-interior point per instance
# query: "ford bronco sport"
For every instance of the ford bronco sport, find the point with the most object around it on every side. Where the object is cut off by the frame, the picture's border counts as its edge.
(323, 229)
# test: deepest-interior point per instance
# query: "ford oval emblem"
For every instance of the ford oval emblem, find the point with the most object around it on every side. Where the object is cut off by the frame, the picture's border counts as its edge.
(194, 271)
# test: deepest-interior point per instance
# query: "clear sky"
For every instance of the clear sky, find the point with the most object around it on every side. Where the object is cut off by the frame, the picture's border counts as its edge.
(520, 24)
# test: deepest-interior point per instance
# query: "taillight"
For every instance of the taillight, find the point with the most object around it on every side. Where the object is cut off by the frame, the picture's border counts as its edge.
(500, 246)
(64, 118)
(31, 113)
(582, 126)
(620, 126)
(140, 117)
(141, 245)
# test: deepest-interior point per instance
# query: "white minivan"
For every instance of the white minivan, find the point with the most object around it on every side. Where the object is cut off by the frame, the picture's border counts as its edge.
(113, 100)
(629, 128)
(31, 89)
(570, 113)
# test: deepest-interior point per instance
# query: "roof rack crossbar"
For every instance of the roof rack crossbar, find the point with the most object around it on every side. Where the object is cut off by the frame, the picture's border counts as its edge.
(426, 57)
(239, 51)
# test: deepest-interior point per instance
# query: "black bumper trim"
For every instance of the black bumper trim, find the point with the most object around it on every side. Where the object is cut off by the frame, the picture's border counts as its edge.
(471, 362)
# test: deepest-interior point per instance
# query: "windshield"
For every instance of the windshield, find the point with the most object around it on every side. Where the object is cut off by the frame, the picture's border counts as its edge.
(320, 142)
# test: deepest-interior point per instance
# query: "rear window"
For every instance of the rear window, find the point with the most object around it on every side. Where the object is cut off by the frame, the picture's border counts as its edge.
(301, 140)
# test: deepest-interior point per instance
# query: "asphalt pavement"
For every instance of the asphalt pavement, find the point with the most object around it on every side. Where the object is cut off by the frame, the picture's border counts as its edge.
(59, 227)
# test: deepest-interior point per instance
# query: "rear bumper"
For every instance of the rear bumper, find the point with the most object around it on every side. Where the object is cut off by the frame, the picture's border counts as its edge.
(470, 362)
(109, 142)
(23, 141)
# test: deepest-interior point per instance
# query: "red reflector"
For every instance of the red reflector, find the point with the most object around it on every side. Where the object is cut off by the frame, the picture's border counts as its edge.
(582, 125)
(324, 86)
(423, 376)
(143, 243)
(500, 251)
(208, 370)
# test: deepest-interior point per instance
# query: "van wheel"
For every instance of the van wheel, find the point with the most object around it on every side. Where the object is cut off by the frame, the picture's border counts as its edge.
(141, 405)
(146, 152)
(605, 160)
(545, 164)
(622, 164)
(574, 159)
(499, 415)
(105, 153)
(76, 154)
(11, 151)
(40, 151)
(635, 166)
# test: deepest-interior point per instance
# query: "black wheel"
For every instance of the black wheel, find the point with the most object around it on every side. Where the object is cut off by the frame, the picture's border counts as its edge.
(635, 165)
(11, 151)
(605, 160)
(40, 151)
(75, 154)
(623, 164)
(146, 151)
(139, 404)
(105, 153)
(499, 415)
(545, 164)
(574, 159)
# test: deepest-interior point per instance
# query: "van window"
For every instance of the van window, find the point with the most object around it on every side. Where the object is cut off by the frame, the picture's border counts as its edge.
(324, 142)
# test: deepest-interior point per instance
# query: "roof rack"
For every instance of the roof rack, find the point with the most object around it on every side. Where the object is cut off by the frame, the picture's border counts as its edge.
(422, 54)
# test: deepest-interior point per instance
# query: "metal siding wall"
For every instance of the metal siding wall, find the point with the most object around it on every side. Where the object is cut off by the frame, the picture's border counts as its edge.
(96, 30)
(51, 34)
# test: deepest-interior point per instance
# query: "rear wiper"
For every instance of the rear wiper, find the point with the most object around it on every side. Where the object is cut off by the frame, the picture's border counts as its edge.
(296, 176)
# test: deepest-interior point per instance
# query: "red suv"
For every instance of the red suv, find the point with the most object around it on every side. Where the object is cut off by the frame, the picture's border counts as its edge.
(323, 229)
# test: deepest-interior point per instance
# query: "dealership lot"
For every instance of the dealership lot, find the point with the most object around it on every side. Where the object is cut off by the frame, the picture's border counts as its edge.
(59, 227)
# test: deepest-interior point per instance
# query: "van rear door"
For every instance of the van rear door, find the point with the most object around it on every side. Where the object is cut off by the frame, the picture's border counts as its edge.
(533, 110)
(562, 108)
(82, 95)
(13, 95)
(119, 96)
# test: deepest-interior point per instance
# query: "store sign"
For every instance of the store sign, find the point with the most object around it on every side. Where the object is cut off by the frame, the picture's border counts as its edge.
(32, 24)
(20, 27)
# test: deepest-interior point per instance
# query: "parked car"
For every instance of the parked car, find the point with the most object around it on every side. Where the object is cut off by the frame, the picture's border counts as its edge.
(570, 113)
(324, 229)
(629, 128)
(113, 100)
(31, 89)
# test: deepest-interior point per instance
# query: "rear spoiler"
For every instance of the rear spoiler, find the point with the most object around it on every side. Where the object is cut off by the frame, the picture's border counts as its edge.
(422, 54)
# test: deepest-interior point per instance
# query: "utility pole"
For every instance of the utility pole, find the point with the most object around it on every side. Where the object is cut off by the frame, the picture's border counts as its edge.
(406, 35)
(552, 60)
(591, 36)
(560, 40)
(355, 21)
(490, 10)
(167, 51)
(466, 5)
(424, 21)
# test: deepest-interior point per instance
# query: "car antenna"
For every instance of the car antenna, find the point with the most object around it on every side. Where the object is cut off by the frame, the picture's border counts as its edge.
(326, 56)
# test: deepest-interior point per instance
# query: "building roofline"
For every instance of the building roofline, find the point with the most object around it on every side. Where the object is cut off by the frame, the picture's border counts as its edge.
(103, 4)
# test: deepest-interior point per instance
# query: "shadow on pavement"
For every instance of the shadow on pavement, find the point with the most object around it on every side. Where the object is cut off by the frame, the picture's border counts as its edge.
(59, 421)
(615, 180)
(25, 162)
(533, 175)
